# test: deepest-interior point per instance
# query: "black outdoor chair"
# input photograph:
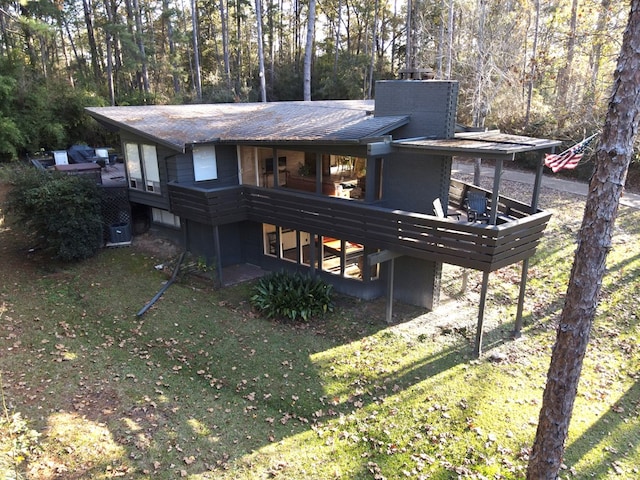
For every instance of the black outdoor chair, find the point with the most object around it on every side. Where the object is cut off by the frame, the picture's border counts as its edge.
(477, 207)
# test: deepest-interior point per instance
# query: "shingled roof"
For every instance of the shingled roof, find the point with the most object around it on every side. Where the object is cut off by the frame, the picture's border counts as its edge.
(176, 126)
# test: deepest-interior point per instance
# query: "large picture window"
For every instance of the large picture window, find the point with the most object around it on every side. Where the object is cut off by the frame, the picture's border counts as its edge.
(204, 163)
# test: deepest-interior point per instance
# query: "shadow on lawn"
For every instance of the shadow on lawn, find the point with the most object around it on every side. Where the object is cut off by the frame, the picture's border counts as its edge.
(162, 397)
(619, 430)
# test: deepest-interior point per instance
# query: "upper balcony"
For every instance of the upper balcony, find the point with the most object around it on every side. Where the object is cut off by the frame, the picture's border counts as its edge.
(479, 246)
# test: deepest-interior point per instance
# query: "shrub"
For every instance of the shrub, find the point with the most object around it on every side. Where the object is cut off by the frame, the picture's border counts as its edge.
(62, 211)
(292, 296)
(18, 443)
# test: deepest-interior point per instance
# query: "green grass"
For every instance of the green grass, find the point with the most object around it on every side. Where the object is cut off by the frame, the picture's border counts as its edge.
(202, 387)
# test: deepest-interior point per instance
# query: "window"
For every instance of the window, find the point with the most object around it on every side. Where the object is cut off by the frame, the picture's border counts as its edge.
(204, 163)
(150, 164)
(165, 218)
(142, 167)
(293, 245)
(336, 256)
(134, 169)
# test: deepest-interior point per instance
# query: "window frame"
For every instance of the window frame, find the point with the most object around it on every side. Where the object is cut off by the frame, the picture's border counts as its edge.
(143, 170)
(205, 163)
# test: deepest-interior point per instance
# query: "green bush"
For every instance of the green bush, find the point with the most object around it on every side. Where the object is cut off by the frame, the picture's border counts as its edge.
(292, 296)
(63, 212)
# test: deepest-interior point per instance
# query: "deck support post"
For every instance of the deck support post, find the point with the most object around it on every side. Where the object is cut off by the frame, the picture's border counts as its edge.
(536, 186)
(523, 286)
(389, 309)
(216, 238)
(495, 194)
(483, 300)
(535, 196)
(319, 175)
(313, 251)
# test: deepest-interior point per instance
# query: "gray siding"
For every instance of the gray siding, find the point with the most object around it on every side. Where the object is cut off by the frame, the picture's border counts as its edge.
(431, 104)
(413, 182)
(180, 168)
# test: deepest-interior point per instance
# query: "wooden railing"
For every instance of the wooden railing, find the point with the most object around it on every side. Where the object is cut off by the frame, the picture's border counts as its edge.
(472, 245)
(217, 206)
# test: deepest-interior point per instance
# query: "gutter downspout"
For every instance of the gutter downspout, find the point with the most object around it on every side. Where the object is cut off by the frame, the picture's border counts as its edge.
(164, 287)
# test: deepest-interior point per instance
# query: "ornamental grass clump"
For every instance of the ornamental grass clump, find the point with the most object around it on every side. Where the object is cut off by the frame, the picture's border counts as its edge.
(292, 296)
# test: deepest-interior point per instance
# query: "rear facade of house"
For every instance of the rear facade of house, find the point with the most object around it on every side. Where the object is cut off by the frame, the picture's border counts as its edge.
(309, 186)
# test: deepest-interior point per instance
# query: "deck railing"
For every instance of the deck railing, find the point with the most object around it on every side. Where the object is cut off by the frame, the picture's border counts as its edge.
(472, 245)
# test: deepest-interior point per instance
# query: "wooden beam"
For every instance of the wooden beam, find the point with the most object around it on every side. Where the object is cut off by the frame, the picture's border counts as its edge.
(379, 148)
(382, 256)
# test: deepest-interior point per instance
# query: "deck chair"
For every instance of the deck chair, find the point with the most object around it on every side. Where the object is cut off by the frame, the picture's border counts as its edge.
(102, 157)
(60, 157)
(477, 207)
(439, 211)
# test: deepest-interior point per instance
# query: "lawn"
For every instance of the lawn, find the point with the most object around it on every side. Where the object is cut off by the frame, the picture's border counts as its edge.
(202, 387)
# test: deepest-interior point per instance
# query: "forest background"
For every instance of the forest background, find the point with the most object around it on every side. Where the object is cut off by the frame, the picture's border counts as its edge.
(533, 67)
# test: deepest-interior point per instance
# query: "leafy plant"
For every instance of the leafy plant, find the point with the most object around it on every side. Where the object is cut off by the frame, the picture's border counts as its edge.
(62, 211)
(17, 440)
(292, 296)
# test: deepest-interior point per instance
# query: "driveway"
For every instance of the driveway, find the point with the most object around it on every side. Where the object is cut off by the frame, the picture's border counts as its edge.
(550, 181)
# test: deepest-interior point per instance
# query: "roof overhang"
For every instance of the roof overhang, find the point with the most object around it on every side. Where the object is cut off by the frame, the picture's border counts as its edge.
(178, 127)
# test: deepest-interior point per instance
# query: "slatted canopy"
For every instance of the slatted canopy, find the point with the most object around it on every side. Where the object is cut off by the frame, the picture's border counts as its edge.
(491, 145)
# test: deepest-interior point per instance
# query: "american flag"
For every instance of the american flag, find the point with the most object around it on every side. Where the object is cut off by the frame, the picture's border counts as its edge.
(568, 159)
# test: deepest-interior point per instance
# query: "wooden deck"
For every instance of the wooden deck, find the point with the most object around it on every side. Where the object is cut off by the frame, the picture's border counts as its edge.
(472, 245)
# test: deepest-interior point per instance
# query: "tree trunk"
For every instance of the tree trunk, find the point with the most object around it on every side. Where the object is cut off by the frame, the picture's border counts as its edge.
(374, 41)
(167, 14)
(564, 75)
(479, 99)
(449, 40)
(337, 44)
(196, 51)
(93, 50)
(596, 53)
(238, 19)
(109, 42)
(137, 14)
(263, 87)
(534, 64)
(594, 241)
(224, 24)
(409, 29)
(308, 50)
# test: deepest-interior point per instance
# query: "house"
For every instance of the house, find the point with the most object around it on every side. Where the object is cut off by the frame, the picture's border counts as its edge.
(344, 189)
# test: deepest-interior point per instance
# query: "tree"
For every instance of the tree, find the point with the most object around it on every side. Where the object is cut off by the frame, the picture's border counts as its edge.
(532, 66)
(263, 88)
(196, 51)
(564, 75)
(613, 157)
(308, 51)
